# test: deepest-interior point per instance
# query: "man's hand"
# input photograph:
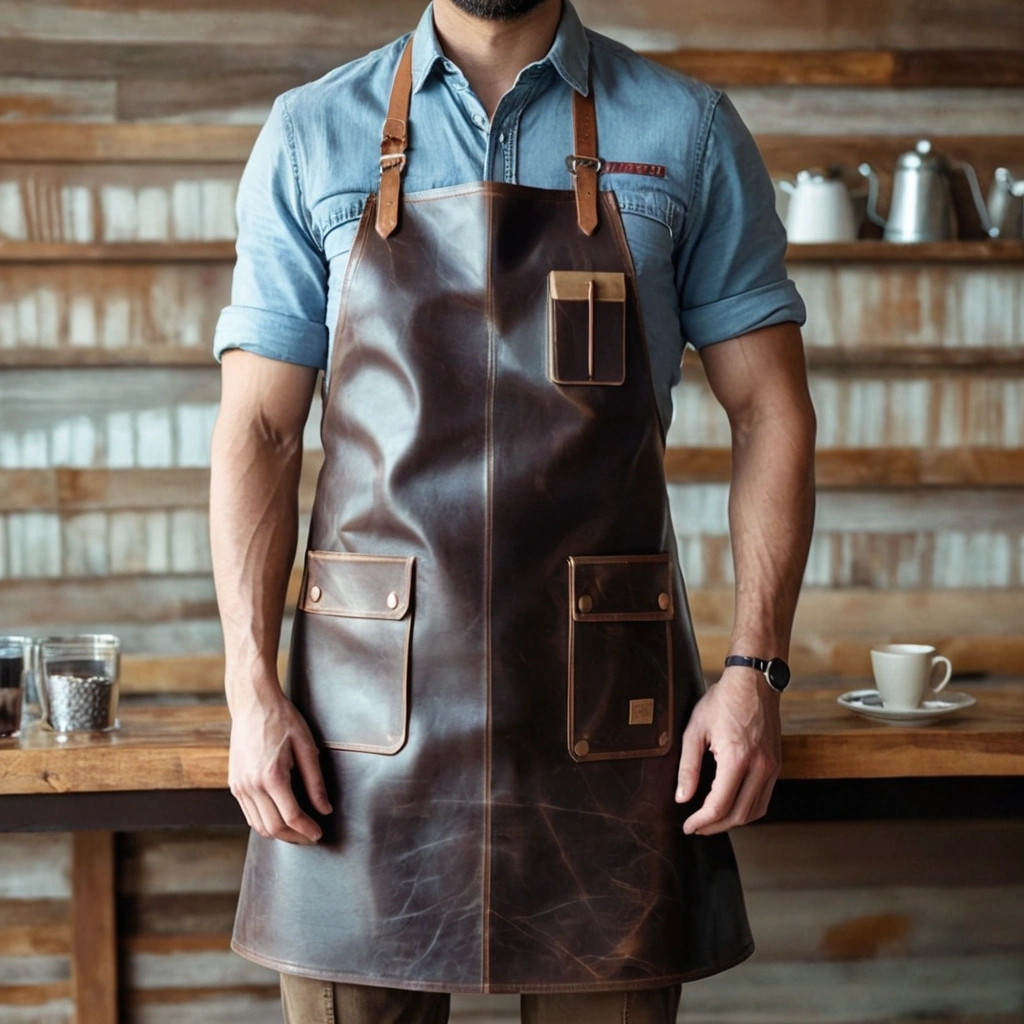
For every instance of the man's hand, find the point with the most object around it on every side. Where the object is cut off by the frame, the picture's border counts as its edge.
(255, 464)
(738, 718)
(268, 738)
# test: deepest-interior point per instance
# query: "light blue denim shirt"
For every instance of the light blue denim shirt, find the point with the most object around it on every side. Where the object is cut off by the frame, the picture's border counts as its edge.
(707, 244)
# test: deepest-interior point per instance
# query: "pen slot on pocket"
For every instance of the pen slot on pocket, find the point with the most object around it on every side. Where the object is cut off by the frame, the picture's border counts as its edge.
(586, 327)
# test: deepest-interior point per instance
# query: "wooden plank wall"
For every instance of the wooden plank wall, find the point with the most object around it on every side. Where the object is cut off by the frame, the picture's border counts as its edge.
(124, 127)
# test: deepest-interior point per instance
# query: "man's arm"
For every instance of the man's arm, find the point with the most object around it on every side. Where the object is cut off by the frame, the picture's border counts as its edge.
(761, 380)
(256, 460)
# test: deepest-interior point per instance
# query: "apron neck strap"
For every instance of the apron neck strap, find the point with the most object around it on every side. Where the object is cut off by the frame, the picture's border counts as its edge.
(583, 163)
(392, 145)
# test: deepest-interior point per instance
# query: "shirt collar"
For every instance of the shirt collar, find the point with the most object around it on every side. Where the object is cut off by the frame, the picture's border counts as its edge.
(569, 53)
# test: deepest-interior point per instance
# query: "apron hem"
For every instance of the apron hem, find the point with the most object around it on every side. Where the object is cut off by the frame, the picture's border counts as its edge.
(340, 977)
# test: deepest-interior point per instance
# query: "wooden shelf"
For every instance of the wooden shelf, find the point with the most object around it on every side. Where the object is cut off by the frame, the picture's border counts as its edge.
(169, 143)
(915, 357)
(83, 357)
(69, 491)
(116, 252)
(872, 467)
(865, 251)
(852, 68)
(63, 142)
(878, 251)
(819, 357)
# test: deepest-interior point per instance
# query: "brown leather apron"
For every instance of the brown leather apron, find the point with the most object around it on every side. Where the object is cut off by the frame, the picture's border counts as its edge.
(493, 645)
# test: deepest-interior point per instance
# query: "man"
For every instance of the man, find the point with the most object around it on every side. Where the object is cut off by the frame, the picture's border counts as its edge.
(487, 771)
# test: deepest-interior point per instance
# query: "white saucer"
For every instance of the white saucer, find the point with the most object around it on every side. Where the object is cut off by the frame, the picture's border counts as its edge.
(869, 704)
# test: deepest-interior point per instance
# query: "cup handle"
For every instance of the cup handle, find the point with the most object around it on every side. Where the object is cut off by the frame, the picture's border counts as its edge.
(949, 671)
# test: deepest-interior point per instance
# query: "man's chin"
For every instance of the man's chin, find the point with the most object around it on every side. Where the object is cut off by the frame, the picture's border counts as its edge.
(497, 10)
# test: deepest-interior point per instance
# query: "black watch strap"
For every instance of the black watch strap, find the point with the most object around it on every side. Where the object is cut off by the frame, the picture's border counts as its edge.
(761, 664)
(775, 670)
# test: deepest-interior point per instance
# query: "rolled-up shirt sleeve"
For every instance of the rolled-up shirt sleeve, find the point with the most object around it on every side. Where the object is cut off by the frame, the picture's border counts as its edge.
(731, 271)
(279, 288)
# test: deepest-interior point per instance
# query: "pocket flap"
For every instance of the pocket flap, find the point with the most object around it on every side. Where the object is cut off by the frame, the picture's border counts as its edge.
(359, 586)
(621, 588)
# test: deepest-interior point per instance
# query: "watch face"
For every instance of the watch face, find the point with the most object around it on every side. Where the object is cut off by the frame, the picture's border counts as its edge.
(778, 673)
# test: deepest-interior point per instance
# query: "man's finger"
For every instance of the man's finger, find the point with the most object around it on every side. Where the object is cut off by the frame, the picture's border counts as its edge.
(738, 814)
(289, 812)
(275, 824)
(690, 759)
(307, 760)
(252, 815)
(764, 797)
(729, 774)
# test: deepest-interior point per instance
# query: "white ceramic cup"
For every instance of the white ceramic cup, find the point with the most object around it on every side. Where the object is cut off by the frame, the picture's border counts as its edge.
(904, 673)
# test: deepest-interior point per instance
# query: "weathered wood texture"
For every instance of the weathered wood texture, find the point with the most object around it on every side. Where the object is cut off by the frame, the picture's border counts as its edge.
(161, 143)
(93, 929)
(852, 920)
(97, 203)
(952, 314)
(186, 746)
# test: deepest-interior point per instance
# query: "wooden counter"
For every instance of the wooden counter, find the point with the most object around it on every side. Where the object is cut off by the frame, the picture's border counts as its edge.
(185, 747)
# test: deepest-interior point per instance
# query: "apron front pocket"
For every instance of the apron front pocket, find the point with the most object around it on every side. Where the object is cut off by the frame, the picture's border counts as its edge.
(620, 656)
(586, 327)
(353, 657)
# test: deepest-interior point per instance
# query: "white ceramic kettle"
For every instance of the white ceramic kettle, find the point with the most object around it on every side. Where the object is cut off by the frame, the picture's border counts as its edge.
(820, 209)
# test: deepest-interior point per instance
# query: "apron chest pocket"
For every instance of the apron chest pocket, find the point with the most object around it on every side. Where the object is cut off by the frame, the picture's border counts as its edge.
(586, 327)
(352, 669)
(620, 656)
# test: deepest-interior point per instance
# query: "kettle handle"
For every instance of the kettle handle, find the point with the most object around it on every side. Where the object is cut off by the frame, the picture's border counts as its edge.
(872, 209)
(972, 183)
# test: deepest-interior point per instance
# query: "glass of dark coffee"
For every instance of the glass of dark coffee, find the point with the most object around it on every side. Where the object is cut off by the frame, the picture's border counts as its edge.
(15, 652)
(79, 682)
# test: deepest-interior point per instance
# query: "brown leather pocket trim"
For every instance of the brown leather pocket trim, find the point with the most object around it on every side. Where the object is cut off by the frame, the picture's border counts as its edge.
(354, 657)
(620, 659)
(621, 588)
(359, 586)
(586, 327)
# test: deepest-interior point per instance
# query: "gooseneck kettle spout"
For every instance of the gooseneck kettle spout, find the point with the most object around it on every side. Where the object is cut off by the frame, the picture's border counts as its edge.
(921, 209)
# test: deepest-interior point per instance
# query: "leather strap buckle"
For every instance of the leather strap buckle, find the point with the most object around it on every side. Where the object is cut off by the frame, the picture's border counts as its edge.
(392, 161)
(574, 160)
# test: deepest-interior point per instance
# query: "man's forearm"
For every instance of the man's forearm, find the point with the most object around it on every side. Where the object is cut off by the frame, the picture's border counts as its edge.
(253, 529)
(771, 516)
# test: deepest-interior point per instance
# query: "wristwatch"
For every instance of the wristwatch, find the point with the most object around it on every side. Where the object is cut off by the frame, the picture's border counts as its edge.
(775, 670)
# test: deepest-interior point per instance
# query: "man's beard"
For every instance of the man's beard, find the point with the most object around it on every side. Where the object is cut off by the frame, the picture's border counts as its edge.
(497, 10)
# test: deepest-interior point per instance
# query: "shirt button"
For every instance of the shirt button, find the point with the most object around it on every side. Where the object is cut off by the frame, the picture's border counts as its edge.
(501, 137)
(479, 121)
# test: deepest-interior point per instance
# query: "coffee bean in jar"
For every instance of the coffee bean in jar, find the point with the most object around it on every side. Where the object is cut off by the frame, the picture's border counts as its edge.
(80, 701)
(79, 676)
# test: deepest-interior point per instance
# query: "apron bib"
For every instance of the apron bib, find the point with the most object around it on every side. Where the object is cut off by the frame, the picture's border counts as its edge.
(492, 645)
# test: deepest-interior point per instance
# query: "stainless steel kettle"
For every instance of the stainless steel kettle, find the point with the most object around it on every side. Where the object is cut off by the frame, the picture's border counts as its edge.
(922, 209)
(1006, 204)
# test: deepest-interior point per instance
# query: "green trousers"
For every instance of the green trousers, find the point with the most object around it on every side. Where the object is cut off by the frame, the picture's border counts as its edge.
(309, 1001)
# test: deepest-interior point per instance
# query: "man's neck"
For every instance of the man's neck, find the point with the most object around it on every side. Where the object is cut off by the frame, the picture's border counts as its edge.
(491, 53)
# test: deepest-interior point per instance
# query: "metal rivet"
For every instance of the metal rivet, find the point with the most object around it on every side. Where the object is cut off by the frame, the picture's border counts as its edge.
(664, 600)
(581, 749)
(315, 593)
(663, 739)
(392, 600)
(585, 603)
